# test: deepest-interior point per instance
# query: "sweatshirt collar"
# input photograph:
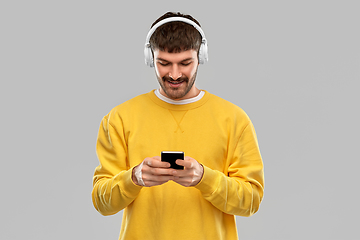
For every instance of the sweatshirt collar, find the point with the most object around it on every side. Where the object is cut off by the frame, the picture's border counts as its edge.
(187, 106)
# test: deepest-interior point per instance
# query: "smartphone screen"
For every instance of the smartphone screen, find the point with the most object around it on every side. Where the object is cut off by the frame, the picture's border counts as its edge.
(171, 157)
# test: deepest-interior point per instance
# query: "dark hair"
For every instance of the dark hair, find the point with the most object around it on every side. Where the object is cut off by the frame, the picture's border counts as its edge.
(175, 36)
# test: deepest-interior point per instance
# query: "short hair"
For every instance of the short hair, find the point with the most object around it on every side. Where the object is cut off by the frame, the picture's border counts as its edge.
(176, 36)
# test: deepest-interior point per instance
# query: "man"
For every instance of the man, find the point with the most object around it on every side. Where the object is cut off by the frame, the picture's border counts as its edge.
(223, 169)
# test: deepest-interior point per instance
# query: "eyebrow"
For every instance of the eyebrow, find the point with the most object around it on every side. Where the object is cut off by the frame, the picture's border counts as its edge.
(184, 60)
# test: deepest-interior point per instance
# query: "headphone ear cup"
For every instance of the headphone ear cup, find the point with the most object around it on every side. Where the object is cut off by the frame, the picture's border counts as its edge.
(203, 53)
(149, 61)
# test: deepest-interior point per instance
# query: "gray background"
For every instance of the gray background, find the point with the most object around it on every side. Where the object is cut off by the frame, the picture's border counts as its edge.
(293, 66)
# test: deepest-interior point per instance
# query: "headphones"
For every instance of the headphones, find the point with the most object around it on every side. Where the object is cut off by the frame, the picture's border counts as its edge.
(203, 51)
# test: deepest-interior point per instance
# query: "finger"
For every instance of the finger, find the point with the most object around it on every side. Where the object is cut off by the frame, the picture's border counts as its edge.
(159, 171)
(184, 181)
(182, 173)
(155, 162)
(152, 179)
(186, 163)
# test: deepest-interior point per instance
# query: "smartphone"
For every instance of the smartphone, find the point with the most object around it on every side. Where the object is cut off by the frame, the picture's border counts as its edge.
(171, 157)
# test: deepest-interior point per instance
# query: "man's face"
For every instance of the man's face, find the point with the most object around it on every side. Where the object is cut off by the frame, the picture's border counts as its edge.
(176, 73)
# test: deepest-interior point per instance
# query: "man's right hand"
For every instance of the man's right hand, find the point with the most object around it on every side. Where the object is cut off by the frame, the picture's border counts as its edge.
(152, 172)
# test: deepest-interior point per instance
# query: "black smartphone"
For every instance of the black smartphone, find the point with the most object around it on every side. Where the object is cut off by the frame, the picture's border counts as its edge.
(171, 157)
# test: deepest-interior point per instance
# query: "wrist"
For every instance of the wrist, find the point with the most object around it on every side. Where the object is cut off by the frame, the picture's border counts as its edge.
(202, 171)
(137, 175)
(133, 177)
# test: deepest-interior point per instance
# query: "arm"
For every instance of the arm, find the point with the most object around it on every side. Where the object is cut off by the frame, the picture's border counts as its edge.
(241, 189)
(115, 184)
(113, 188)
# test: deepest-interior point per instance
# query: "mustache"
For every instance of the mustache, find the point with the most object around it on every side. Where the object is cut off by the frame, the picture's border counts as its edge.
(180, 79)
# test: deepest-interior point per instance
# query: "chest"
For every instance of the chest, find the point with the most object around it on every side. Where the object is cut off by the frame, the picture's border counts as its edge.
(202, 135)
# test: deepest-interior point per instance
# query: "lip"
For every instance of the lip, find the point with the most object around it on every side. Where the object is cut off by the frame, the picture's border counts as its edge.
(175, 85)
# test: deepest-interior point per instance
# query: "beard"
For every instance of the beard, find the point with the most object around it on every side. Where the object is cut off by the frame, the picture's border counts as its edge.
(176, 93)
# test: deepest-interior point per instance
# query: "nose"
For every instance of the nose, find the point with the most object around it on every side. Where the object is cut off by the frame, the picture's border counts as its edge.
(175, 72)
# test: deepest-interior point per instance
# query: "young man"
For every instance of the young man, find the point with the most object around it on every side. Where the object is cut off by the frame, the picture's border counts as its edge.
(223, 169)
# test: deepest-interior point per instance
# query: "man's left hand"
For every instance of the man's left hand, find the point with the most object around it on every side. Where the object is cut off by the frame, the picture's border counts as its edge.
(192, 173)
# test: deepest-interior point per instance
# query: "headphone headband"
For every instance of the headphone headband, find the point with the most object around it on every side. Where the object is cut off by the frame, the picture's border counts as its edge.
(203, 53)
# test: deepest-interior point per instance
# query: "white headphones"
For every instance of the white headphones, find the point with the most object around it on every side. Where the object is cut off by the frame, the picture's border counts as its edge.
(203, 51)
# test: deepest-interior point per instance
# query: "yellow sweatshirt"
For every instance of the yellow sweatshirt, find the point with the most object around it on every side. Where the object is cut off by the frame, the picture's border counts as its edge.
(215, 132)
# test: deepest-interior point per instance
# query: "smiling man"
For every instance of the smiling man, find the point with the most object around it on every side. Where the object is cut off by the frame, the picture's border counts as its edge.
(222, 171)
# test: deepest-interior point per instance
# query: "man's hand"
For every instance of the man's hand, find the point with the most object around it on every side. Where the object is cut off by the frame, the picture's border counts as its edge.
(152, 172)
(192, 173)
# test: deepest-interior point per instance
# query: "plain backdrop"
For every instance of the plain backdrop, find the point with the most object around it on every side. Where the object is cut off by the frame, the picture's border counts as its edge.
(293, 66)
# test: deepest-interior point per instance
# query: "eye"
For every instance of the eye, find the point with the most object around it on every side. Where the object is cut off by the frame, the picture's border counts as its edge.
(186, 63)
(163, 64)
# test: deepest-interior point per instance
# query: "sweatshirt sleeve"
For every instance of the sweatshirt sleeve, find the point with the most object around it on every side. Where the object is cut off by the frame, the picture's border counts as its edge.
(240, 190)
(113, 188)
